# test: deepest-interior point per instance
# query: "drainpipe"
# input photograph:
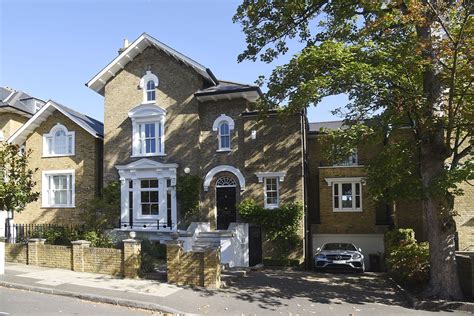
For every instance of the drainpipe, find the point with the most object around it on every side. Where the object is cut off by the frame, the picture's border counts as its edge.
(306, 224)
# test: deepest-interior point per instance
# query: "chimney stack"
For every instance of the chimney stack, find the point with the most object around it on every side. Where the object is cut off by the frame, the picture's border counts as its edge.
(125, 46)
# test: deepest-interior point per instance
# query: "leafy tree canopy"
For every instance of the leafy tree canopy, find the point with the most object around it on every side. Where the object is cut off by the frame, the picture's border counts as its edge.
(406, 65)
(16, 179)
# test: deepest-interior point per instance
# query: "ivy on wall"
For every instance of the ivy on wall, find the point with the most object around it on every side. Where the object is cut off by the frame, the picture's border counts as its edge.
(279, 224)
(187, 194)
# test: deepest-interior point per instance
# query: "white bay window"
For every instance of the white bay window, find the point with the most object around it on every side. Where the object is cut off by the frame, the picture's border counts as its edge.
(148, 195)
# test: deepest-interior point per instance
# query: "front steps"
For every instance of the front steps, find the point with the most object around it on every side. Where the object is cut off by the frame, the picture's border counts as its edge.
(210, 239)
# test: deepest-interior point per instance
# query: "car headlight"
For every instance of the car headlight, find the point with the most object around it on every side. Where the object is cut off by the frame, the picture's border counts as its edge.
(356, 256)
(321, 256)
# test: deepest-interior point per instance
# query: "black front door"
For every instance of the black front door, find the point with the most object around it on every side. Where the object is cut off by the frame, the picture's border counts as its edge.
(225, 204)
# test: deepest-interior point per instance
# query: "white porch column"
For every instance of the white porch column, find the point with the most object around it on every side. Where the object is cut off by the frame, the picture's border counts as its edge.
(124, 209)
(162, 200)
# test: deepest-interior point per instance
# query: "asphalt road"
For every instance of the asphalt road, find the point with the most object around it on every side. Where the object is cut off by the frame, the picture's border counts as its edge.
(17, 302)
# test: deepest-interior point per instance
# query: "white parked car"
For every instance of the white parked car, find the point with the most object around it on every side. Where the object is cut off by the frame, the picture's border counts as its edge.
(339, 256)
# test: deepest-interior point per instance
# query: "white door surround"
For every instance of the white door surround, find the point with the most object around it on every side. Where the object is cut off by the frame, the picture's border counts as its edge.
(223, 168)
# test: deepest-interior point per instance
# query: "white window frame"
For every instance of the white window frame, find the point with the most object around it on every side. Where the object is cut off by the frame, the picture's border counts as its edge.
(140, 138)
(158, 189)
(216, 127)
(262, 178)
(51, 139)
(149, 76)
(271, 205)
(339, 182)
(147, 114)
(71, 187)
(352, 160)
(220, 135)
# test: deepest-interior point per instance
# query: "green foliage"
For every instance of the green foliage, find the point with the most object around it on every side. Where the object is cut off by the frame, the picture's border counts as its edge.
(16, 179)
(409, 264)
(98, 239)
(58, 235)
(102, 212)
(407, 261)
(397, 238)
(151, 253)
(280, 224)
(187, 193)
(64, 235)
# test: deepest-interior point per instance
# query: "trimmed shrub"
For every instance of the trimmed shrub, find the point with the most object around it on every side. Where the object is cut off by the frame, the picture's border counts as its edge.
(407, 261)
(409, 264)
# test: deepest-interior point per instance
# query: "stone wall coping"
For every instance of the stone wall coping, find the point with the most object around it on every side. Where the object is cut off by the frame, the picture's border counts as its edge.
(81, 242)
(132, 241)
(36, 240)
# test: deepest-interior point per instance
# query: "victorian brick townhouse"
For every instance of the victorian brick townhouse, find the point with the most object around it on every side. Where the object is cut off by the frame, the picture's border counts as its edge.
(167, 116)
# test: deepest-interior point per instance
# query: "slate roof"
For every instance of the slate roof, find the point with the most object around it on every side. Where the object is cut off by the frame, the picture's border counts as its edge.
(227, 87)
(93, 126)
(15, 99)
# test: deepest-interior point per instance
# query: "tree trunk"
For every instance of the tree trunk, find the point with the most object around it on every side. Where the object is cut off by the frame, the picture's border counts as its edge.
(441, 229)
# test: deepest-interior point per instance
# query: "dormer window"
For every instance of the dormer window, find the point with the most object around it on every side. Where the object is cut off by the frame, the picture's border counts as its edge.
(58, 142)
(223, 125)
(148, 84)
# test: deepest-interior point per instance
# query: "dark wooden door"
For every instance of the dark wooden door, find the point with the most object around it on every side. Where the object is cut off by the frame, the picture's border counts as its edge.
(225, 204)
(255, 245)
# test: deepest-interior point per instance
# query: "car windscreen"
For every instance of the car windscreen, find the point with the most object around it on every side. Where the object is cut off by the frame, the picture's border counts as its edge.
(341, 246)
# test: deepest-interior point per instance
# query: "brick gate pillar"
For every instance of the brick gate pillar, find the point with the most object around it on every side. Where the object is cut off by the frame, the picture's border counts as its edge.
(131, 258)
(35, 246)
(78, 262)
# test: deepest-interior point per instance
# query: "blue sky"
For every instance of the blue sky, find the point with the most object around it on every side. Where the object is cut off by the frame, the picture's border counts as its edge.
(50, 48)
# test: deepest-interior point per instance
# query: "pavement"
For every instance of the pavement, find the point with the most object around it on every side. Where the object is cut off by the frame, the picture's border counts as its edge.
(18, 302)
(266, 292)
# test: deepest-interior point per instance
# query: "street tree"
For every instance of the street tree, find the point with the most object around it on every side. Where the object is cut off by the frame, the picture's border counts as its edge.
(402, 63)
(16, 179)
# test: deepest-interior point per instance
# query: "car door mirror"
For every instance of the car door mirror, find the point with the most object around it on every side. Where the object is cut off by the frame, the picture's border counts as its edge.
(318, 249)
(360, 250)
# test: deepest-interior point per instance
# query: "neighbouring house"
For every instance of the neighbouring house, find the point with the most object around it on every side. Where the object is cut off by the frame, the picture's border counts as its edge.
(66, 151)
(167, 116)
(16, 107)
(340, 208)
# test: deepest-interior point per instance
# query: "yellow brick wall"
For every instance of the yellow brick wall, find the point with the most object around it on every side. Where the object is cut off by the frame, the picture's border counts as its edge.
(103, 260)
(464, 207)
(16, 253)
(54, 256)
(10, 123)
(85, 162)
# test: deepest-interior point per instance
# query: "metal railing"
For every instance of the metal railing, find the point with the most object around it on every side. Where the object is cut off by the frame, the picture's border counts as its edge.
(22, 232)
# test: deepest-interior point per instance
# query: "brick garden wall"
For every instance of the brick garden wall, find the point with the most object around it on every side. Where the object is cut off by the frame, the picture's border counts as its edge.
(16, 253)
(103, 260)
(80, 257)
(54, 256)
(201, 268)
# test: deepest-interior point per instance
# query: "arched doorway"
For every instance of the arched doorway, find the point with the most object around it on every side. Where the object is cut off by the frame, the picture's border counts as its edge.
(226, 198)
